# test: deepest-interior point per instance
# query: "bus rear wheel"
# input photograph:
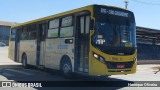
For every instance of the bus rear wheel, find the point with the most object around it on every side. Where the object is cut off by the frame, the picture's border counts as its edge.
(66, 68)
(24, 61)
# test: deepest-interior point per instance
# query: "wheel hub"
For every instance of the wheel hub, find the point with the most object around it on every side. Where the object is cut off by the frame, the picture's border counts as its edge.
(66, 68)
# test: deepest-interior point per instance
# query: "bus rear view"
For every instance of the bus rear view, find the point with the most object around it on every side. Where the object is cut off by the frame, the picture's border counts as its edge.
(113, 43)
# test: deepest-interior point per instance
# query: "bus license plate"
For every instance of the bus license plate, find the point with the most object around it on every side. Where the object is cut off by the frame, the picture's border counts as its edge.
(120, 66)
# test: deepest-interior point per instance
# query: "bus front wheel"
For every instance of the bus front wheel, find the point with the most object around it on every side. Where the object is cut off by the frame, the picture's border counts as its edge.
(66, 68)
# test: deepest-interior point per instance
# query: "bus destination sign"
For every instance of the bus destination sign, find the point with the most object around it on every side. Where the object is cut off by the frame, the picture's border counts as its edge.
(114, 12)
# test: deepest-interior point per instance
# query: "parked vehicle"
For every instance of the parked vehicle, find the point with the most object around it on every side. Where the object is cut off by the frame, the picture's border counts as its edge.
(2, 44)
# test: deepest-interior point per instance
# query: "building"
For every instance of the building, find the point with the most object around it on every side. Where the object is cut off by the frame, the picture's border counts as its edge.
(148, 43)
(4, 30)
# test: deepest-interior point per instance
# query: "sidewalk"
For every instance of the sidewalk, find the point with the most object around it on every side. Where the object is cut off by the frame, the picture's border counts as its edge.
(148, 67)
(5, 62)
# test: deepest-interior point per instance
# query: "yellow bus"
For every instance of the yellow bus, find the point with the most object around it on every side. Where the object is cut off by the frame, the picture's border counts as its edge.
(96, 40)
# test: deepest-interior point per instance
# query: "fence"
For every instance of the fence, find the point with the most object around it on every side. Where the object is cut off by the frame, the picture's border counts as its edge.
(148, 52)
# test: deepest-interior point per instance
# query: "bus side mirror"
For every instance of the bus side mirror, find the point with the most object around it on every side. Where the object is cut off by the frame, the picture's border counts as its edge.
(92, 24)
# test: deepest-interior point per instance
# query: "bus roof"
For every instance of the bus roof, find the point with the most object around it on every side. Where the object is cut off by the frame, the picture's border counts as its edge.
(89, 7)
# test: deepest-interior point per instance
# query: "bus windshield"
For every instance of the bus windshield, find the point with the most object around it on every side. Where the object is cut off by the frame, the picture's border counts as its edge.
(108, 34)
(115, 34)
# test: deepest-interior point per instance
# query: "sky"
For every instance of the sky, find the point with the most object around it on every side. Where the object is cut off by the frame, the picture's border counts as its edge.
(147, 12)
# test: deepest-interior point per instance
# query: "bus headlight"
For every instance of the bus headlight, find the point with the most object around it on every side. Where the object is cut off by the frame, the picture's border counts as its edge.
(99, 58)
(95, 55)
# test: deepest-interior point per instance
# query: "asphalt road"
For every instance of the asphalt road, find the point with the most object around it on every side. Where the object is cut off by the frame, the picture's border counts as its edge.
(12, 71)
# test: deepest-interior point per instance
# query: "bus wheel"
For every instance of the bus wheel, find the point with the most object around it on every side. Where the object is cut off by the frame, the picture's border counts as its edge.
(66, 68)
(24, 61)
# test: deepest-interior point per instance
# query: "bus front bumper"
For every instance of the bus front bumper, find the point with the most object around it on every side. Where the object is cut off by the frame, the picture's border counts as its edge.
(100, 69)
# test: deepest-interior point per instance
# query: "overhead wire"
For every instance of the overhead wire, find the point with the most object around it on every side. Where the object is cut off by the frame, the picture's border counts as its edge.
(147, 3)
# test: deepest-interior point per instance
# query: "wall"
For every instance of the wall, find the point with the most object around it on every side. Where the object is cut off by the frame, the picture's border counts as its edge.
(4, 34)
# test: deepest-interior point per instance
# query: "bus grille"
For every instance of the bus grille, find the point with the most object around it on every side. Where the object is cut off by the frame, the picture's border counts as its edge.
(119, 70)
(113, 65)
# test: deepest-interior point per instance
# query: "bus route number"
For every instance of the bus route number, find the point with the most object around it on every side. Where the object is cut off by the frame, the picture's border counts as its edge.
(114, 12)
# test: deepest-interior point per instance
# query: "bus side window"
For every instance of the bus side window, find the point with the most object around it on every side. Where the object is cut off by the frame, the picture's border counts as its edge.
(32, 31)
(13, 34)
(66, 29)
(32, 35)
(24, 35)
(53, 28)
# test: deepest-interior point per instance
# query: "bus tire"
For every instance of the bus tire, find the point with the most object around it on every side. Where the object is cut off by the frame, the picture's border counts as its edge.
(24, 61)
(66, 68)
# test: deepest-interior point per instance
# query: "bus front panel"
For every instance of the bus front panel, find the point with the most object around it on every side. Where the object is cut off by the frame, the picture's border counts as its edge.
(113, 43)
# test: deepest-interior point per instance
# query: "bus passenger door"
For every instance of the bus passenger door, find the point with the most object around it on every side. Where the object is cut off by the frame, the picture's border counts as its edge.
(17, 44)
(82, 44)
(41, 37)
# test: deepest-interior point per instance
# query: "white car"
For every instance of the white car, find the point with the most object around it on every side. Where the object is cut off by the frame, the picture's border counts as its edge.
(2, 44)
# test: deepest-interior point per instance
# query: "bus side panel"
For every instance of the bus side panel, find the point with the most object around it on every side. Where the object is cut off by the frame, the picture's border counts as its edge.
(55, 50)
(51, 52)
(65, 49)
(28, 47)
(11, 50)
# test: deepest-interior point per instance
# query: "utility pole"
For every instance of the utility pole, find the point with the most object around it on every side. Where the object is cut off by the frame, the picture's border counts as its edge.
(126, 4)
